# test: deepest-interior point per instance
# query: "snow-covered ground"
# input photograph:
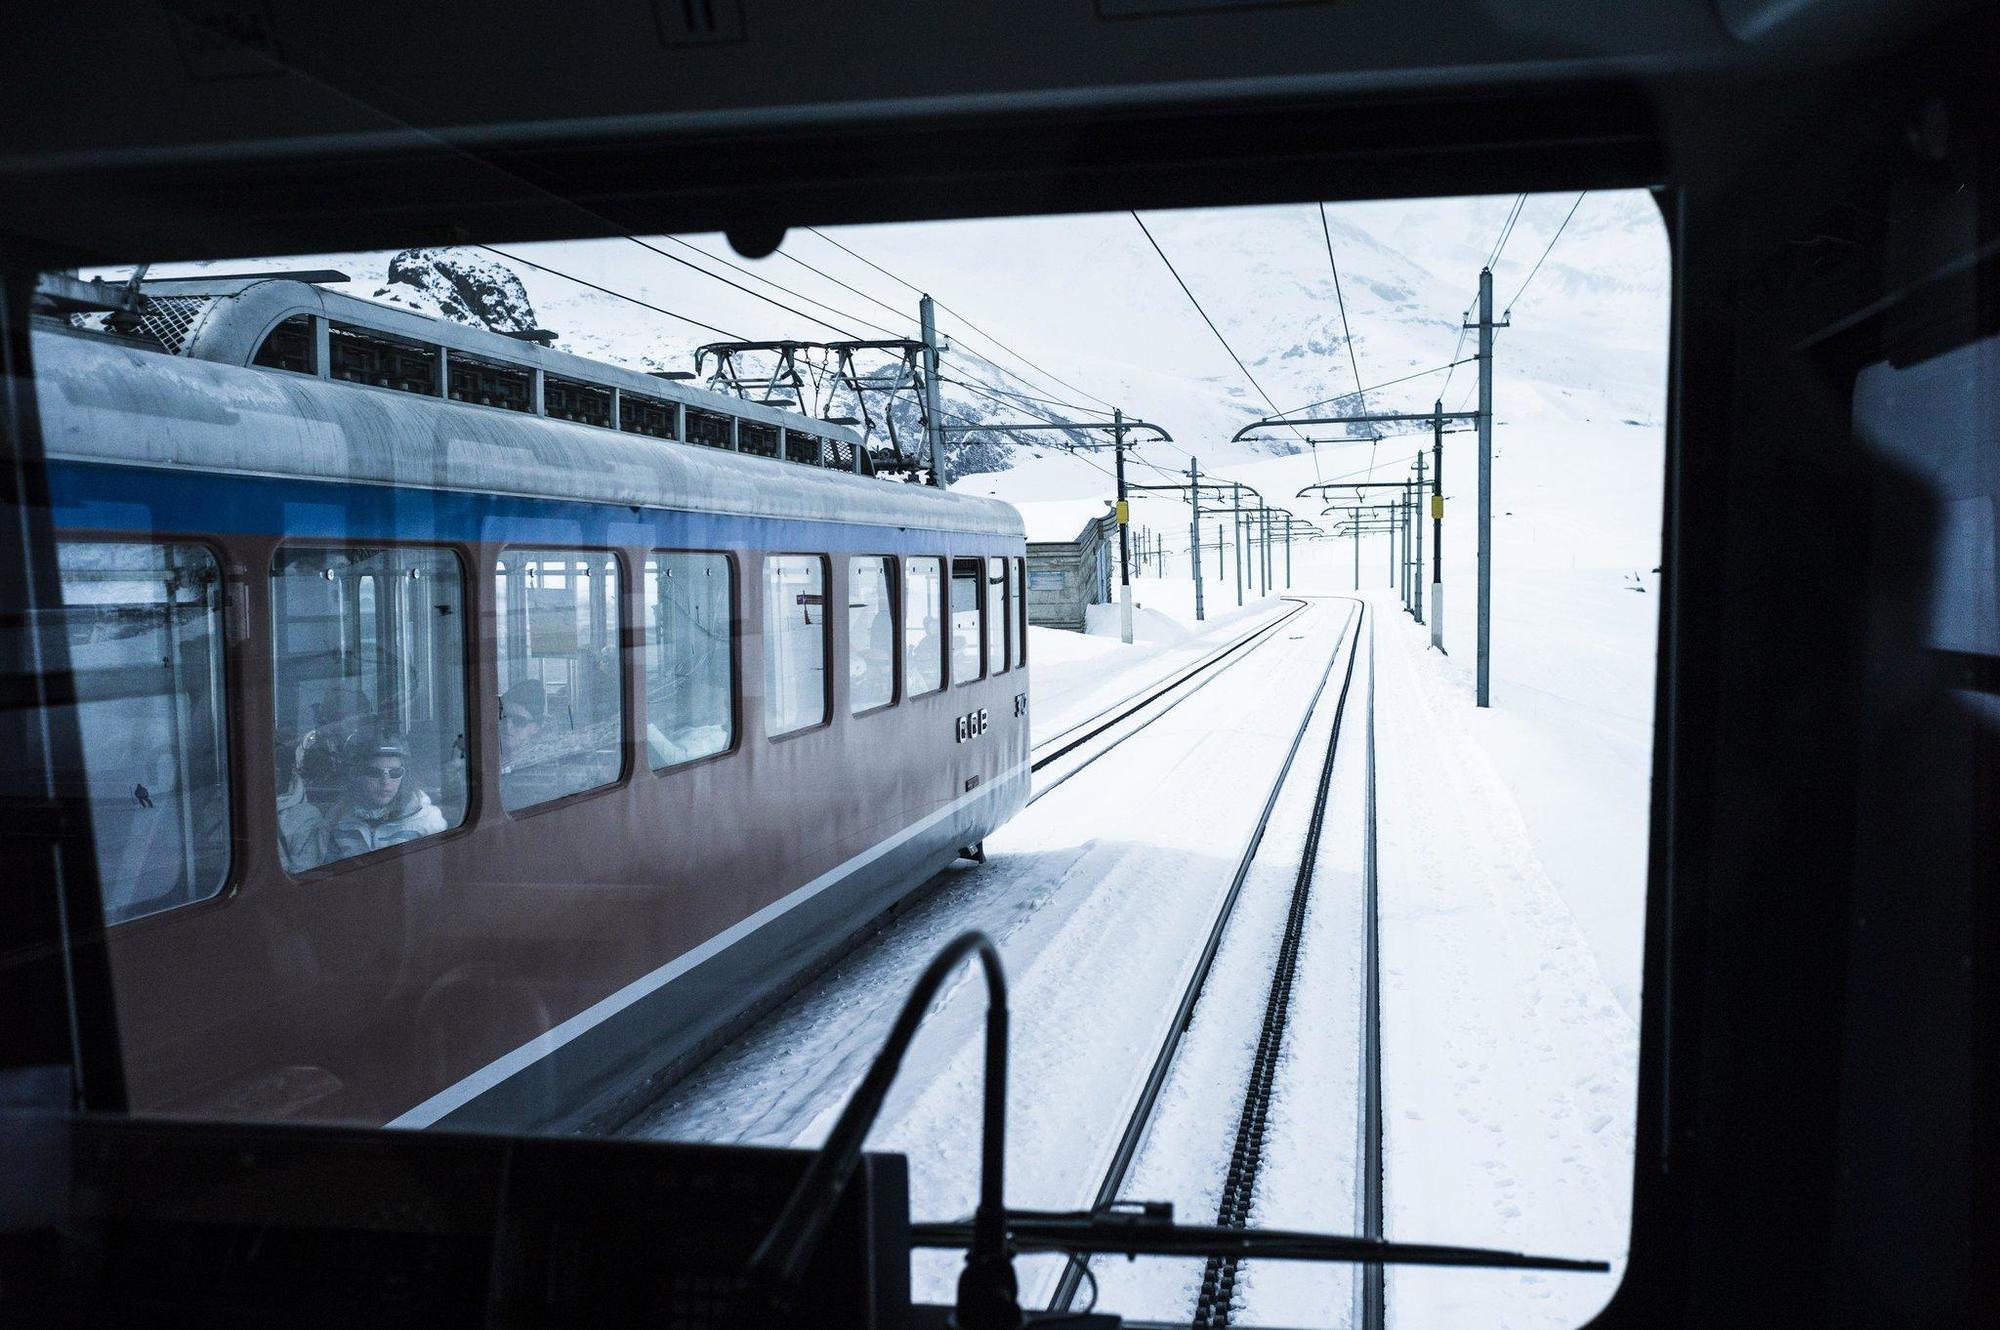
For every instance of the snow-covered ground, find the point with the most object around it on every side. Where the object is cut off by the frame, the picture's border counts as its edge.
(1509, 1064)
(1099, 899)
(1078, 675)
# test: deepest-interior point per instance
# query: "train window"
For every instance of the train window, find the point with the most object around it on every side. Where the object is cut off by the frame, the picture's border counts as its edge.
(288, 346)
(794, 643)
(369, 689)
(996, 616)
(1020, 611)
(491, 383)
(802, 448)
(562, 719)
(923, 620)
(871, 633)
(690, 668)
(761, 440)
(645, 415)
(356, 355)
(966, 640)
(144, 626)
(568, 399)
(707, 429)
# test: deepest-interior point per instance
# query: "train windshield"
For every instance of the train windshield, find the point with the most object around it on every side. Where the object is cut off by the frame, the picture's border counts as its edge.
(499, 700)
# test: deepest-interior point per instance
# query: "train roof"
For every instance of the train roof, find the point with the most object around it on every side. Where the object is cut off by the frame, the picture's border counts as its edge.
(227, 319)
(106, 402)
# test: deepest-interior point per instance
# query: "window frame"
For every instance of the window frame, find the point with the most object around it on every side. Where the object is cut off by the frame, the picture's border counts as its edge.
(894, 584)
(978, 561)
(626, 762)
(733, 568)
(1006, 615)
(1020, 562)
(470, 608)
(825, 720)
(238, 745)
(943, 608)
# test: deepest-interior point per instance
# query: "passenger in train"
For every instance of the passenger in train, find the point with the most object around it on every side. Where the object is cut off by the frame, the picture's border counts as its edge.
(385, 806)
(526, 776)
(930, 647)
(339, 718)
(302, 833)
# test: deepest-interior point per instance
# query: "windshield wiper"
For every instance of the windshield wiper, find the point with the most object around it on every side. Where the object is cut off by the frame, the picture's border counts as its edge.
(1147, 1228)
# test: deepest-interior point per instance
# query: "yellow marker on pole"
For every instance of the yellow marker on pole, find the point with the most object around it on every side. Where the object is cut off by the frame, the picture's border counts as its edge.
(1437, 507)
(1124, 512)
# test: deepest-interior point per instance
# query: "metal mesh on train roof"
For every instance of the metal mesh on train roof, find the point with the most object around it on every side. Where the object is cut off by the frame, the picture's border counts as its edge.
(166, 321)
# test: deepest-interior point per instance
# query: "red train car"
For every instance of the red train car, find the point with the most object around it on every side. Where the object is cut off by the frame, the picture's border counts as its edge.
(451, 762)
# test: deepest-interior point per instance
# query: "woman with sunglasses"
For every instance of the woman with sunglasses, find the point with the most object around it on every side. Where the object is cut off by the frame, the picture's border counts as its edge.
(384, 807)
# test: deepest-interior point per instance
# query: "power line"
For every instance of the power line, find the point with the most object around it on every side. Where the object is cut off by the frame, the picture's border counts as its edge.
(1506, 231)
(1386, 383)
(1210, 322)
(759, 295)
(779, 286)
(961, 318)
(785, 254)
(999, 394)
(571, 277)
(1545, 253)
(1346, 335)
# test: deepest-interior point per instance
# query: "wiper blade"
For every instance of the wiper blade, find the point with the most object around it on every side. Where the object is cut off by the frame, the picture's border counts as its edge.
(1150, 1230)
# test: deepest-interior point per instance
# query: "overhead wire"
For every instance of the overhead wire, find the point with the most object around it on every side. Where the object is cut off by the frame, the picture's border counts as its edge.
(1347, 336)
(797, 295)
(779, 286)
(1509, 309)
(1185, 290)
(757, 295)
(981, 332)
(644, 304)
(1506, 231)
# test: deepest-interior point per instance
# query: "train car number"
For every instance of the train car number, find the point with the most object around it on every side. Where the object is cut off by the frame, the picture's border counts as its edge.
(972, 726)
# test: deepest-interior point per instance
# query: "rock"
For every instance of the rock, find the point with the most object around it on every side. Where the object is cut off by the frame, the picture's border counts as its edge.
(461, 285)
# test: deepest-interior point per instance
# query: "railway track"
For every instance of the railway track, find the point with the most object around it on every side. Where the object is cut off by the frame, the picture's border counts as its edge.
(1065, 753)
(1215, 1300)
(1061, 756)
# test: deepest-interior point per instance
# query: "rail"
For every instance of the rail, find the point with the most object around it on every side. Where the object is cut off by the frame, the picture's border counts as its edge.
(1175, 686)
(1148, 1098)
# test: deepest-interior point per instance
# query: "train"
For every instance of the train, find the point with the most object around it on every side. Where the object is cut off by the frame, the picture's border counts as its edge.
(472, 733)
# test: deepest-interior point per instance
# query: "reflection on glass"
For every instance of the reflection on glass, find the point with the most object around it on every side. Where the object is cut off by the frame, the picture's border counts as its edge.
(871, 634)
(923, 634)
(965, 643)
(369, 672)
(996, 615)
(562, 724)
(144, 624)
(794, 643)
(688, 661)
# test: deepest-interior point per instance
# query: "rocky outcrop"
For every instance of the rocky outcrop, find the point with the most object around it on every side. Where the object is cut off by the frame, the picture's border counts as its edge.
(461, 285)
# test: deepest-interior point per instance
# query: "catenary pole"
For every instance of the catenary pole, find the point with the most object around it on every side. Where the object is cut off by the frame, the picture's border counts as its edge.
(1483, 687)
(1124, 530)
(1236, 501)
(1437, 525)
(1194, 531)
(933, 414)
(1270, 567)
(1420, 500)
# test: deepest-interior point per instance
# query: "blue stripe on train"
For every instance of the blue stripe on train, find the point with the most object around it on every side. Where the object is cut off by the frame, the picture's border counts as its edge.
(97, 496)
